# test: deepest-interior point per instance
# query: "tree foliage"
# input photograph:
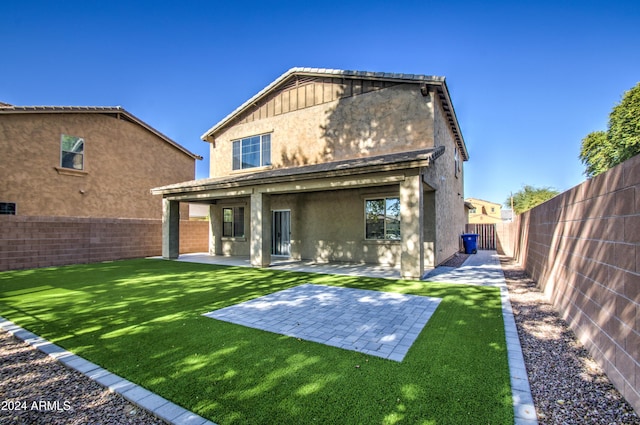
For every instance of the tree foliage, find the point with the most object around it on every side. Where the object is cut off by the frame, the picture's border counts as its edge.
(529, 197)
(602, 150)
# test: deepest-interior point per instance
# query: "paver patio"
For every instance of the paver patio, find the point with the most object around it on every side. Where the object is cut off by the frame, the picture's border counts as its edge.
(381, 324)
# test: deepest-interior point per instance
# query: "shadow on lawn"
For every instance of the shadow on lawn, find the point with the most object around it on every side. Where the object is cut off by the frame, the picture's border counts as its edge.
(141, 319)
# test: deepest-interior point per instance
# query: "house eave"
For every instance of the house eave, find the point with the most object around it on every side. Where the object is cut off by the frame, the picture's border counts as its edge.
(337, 170)
(118, 111)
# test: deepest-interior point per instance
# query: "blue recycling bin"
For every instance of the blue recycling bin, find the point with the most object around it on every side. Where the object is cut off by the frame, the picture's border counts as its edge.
(470, 241)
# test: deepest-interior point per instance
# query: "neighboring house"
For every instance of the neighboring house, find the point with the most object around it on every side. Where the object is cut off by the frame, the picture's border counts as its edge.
(331, 165)
(85, 162)
(507, 215)
(484, 212)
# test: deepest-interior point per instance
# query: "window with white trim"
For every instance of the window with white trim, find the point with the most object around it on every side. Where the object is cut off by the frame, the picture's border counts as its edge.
(233, 222)
(382, 218)
(251, 152)
(72, 152)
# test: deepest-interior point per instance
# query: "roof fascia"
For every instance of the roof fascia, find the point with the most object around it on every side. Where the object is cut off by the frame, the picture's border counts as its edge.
(220, 183)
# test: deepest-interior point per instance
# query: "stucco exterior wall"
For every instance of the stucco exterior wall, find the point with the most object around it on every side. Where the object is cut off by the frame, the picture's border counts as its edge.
(448, 198)
(389, 120)
(122, 162)
(325, 227)
(330, 226)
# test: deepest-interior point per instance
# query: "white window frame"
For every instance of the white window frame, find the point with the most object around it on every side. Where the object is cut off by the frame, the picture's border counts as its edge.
(238, 148)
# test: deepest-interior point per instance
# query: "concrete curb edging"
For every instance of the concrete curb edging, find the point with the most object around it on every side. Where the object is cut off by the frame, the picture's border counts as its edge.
(523, 407)
(143, 398)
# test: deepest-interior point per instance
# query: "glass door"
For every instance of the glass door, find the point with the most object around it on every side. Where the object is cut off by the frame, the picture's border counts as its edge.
(281, 237)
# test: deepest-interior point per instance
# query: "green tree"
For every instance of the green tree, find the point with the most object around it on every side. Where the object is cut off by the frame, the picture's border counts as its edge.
(602, 150)
(529, 197)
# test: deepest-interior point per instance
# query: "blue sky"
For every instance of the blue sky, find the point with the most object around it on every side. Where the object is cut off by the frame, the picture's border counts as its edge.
(528, 80)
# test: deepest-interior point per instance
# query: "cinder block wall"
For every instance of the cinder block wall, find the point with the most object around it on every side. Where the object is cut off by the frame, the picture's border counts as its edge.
(30, 242)
(583, 248)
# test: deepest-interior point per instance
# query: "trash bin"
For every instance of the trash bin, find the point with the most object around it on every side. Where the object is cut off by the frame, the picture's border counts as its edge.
(470, 241)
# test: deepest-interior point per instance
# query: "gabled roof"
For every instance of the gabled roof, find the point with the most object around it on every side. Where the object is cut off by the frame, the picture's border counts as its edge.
(116, 111)
(438, 83)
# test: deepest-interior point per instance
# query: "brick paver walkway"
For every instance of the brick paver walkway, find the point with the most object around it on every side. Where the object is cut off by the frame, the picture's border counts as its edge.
(377, 323)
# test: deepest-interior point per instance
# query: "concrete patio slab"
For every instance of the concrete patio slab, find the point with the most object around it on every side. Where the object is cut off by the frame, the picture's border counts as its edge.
(346, 269)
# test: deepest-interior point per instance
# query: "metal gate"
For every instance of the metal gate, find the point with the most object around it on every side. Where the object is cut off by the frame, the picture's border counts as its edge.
(486, 235)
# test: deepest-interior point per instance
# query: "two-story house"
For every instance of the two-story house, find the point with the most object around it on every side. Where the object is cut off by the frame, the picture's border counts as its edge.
(85, 162)
(484, 212)
(333, 166)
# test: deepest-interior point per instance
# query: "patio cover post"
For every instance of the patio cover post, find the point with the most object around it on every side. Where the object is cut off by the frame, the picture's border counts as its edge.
(215, 230)
(411, 227)
(170, 228)
(260, 229)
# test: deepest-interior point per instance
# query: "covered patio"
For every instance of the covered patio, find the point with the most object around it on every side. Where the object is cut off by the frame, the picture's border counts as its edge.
(307, 266)
(312, 217)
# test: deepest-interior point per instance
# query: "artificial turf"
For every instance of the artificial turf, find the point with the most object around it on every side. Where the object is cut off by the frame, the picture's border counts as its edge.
(142, 320)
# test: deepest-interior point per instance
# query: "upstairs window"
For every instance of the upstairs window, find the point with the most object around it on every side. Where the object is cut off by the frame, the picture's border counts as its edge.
(72, 152)
(382, 218)
(456, 161)
(233, 222)
(252, 152)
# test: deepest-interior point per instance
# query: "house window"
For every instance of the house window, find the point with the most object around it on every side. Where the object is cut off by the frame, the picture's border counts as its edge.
(72, 152)
(251, 152)
(7, 208)
(473, 211)
(456, 161)
(233, 222)
(382, 218)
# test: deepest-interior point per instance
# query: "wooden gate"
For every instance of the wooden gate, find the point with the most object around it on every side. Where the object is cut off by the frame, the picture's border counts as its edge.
(486, 235)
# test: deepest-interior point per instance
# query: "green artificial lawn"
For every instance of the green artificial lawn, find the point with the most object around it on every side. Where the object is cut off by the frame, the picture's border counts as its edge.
(142, 319)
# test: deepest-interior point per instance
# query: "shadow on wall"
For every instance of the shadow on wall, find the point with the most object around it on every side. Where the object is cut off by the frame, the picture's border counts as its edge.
(368, 118)
(582, 249)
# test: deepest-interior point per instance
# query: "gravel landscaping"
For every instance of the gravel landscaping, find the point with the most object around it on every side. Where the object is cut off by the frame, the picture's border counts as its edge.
(36, 389)
(568, 387)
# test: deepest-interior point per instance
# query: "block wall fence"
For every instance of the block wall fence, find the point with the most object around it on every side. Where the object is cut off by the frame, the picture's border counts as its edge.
(583, 249)
(29, 242)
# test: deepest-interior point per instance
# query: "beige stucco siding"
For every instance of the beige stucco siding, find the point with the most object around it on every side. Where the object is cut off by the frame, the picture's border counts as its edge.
(122, 162)
(389, 120)
(330, 226)
(325, 226)
(441, 234)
